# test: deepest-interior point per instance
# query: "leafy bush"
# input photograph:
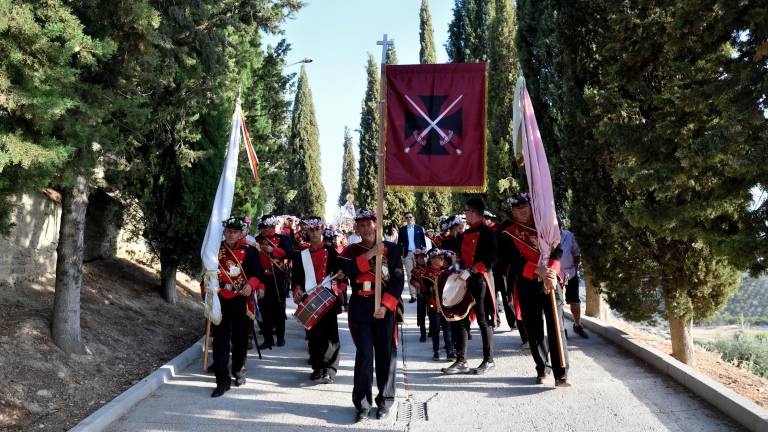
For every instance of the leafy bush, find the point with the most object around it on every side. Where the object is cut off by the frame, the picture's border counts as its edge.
(746, 349)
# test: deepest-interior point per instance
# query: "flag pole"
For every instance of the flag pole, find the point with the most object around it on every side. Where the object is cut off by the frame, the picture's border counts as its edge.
(385, 44)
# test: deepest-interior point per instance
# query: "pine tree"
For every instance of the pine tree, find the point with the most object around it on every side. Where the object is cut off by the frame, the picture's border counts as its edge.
(348, 172)
(304, 174)
(502, 75)
(194, 79)
(369, 136)
(46, 53)
(429, 206)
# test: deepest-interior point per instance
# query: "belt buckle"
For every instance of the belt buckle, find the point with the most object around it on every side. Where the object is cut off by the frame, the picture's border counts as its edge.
(367, 286)
(228, 287)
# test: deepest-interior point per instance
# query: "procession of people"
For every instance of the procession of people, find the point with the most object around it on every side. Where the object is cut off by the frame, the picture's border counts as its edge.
(457, 277)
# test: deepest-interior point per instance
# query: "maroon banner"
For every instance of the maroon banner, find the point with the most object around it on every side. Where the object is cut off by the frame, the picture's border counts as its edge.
(435, 130)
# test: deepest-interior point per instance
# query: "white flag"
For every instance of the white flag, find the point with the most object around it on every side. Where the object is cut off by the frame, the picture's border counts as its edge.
(222, 208)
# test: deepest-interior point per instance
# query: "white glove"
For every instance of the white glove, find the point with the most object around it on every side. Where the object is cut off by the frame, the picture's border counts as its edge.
(465, 274)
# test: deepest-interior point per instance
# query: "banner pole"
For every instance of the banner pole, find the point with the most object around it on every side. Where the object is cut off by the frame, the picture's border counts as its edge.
(385, 44)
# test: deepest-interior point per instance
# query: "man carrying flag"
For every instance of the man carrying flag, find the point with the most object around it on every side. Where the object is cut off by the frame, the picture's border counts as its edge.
(531, 282)
(239, 276)
(373, 331)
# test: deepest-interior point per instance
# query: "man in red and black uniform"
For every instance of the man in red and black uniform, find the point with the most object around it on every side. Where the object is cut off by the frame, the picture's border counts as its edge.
(273, 252)
(239, 276)
(373, 331)
(320, 260)
(519, 248)
(476, 257)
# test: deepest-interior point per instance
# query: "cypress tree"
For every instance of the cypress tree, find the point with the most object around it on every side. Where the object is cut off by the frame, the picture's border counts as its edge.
(429, 206)
(502, 75)
(304, 174)
(348, 172)
(426, 35)
(469, 42)
(536, 27)
(369, 135)
(651, 148)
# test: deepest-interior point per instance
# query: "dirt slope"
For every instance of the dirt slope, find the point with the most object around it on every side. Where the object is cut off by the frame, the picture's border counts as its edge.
(128, 332)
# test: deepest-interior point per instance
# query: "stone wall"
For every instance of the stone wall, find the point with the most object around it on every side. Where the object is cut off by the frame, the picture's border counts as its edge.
(29, 251)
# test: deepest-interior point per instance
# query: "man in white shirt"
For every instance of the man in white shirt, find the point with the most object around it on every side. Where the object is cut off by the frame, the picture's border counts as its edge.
(569, 268)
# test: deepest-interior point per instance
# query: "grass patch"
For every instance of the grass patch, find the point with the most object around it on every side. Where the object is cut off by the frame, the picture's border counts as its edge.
(747, 349)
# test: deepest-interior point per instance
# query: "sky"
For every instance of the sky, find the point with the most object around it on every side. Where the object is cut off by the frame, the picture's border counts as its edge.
(338, 35)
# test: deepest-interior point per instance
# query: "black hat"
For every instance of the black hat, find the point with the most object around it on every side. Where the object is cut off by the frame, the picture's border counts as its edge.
(236, 222)
(477, 204)
(519, 198)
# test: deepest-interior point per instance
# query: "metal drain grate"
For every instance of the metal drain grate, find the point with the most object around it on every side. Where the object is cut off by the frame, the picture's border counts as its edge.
(411, 410)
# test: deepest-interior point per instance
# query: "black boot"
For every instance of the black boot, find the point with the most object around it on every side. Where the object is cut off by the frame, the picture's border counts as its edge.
(267, 344)
(221, 388)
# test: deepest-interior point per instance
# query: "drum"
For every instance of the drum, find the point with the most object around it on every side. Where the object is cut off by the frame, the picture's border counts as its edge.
(455, 299)
(314, 306)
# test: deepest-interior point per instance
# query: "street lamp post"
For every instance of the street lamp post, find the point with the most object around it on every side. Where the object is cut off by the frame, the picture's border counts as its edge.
(304, 60)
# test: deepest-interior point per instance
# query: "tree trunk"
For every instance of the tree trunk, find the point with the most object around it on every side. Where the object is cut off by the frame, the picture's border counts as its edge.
(168, 266)
(682, 338)
(596, 305)
(69, 268)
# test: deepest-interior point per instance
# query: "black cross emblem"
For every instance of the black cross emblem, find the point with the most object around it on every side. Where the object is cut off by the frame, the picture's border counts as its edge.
(435, 129)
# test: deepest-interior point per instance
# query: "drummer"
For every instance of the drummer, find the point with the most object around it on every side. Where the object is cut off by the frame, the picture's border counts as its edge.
(312, 262)
(438, 261)
(477, 254)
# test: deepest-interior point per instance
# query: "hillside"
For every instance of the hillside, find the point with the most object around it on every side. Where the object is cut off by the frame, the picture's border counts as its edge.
(750, 303)
(128, 332)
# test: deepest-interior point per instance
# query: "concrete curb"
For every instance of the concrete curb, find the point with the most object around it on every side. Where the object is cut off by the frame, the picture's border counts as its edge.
(119, 406)
(742, 410)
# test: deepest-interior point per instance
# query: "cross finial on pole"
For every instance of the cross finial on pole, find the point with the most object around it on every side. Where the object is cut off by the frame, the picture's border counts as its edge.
(385, 44)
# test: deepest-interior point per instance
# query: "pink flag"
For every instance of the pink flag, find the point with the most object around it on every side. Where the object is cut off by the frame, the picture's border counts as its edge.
(530, 150)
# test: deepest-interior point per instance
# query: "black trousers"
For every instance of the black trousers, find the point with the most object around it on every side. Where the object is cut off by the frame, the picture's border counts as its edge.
(233, 330)
(272, 308)
(375, 343)
(506, 294)
(324, 345)
(534, 303)
(479, 289)
(438, 322)
(421, 314)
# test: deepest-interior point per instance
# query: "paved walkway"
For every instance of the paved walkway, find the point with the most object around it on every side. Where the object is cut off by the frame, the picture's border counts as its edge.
(611, 392)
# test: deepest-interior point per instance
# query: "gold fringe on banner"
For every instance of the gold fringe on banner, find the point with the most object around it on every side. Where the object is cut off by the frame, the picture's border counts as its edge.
(414, 188)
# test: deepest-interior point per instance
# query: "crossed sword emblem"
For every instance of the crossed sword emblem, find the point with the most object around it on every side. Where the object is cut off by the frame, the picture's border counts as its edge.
(446, 138)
